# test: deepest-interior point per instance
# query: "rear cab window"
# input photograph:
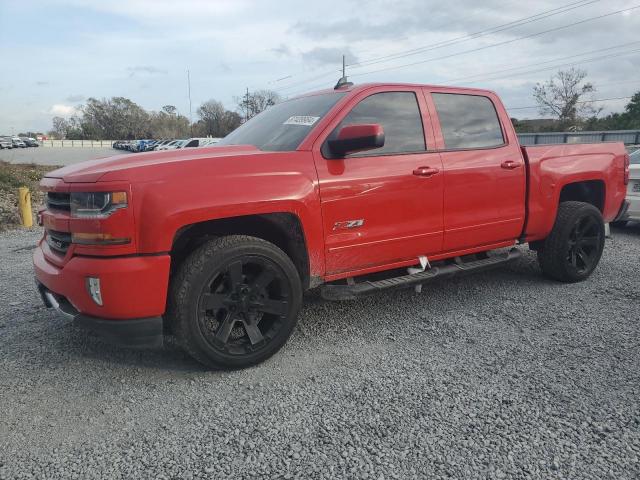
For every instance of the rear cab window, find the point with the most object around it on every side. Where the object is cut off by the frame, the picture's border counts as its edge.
(468, 121)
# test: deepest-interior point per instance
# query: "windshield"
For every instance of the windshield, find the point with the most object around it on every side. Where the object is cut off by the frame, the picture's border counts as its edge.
(635, 157)
(283, 126)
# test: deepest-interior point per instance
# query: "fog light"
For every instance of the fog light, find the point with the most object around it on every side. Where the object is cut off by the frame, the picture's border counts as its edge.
(93, 287)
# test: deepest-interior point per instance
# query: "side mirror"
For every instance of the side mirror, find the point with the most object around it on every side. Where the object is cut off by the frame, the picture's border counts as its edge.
(357, 138)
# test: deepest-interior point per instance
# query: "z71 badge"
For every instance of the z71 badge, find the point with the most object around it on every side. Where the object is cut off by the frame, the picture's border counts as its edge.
(347, 224)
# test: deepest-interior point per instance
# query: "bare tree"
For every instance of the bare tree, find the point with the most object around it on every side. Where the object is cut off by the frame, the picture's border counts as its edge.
(59, 127)
(251, 104)
(567, 97)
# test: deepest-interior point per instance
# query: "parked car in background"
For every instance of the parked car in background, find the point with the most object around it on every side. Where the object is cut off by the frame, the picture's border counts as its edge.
(210, 141)
(197, 142)
(151, 145)
(173, 145)
(162, 143)
(633, 191)
(17, 143)
(5, 142)
(30, 142)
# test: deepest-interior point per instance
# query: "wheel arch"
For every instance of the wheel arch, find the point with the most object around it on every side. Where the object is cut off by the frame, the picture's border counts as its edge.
(588, 191)
(283, 229)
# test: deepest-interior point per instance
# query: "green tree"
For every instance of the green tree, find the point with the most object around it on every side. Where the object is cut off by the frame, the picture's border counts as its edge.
(215, 120)
(115, 118)
(632, 112)
(565, 96)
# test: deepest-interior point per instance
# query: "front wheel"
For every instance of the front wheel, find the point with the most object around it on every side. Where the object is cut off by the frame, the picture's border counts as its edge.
(235, 301)
(573, 248)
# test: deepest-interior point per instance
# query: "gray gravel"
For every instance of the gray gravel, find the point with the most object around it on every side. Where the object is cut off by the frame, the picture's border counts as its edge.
(500, 375)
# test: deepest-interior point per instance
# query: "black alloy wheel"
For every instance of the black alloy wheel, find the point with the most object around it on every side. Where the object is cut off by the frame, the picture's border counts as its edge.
(244, 305)
(584, 245)
(234, 301)
(573, 248)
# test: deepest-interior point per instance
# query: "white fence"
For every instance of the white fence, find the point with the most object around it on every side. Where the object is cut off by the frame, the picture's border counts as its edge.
(77, 143)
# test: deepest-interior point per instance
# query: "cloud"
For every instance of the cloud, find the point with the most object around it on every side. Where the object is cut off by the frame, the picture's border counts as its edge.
(329, 56)
(146, 69)
(62, 110)
(294, 46)
(282, 50)
(75, 98)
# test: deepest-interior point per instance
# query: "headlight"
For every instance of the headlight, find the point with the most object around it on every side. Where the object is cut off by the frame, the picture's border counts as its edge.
(96, 204)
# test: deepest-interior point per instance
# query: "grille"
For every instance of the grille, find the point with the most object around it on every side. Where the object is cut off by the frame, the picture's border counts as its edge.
(58, 241)
(58, 201)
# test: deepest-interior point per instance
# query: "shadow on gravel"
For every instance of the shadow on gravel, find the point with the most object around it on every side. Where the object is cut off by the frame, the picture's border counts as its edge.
(80, 344)
(320, 318)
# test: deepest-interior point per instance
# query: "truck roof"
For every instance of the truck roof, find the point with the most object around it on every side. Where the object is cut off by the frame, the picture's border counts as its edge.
(364, 86)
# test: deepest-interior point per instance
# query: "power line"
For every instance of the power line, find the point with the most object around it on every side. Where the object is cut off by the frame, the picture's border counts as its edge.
(553, 67)
(489, 75)
(482, 33)
(483, 75)
(496, 29)
(584, 101)
(506, 42)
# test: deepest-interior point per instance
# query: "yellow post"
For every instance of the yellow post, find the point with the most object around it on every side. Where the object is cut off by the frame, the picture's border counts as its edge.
(24, 203)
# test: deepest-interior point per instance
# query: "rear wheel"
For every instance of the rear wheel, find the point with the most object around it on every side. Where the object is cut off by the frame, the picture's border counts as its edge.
(573, 248)
(235, 301)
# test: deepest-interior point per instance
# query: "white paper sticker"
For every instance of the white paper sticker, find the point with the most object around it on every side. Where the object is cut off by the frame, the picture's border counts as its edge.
(301, 120)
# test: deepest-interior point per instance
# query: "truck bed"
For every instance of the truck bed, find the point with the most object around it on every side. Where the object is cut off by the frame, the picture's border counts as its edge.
(571, 170)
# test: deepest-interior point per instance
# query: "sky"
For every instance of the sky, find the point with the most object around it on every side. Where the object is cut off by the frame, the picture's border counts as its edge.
(57, 53)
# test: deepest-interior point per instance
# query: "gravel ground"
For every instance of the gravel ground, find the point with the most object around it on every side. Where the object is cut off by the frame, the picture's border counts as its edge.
(500, 375)
(55, 156)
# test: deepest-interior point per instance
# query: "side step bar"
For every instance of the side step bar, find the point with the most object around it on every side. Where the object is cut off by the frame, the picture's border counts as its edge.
(350, 292)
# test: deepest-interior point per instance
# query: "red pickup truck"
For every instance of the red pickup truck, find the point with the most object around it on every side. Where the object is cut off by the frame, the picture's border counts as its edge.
(355, 189)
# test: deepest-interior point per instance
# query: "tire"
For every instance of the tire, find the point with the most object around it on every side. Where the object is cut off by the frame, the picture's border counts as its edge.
(574, 247)
(234, 301)
(620, 223)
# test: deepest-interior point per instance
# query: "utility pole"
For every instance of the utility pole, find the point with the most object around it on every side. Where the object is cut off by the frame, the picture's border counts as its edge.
(189, 90)
(246, 104)
(344, 68)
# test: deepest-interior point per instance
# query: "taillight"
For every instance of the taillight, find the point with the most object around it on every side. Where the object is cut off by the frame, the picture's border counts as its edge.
(627, 162)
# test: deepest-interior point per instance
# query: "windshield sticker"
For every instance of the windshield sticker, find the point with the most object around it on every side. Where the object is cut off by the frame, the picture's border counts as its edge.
(301, 120)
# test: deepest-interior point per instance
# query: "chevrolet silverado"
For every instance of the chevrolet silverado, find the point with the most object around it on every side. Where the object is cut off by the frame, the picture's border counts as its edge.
(355, 190)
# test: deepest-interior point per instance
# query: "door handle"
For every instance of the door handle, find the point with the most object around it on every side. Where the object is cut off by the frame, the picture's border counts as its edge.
(425, 171)
(510, 164)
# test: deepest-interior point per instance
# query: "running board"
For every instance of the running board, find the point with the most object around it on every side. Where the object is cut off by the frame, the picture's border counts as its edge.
(350, 292)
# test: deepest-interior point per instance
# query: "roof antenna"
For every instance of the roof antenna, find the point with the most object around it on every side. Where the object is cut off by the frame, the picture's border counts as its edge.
(343, 82)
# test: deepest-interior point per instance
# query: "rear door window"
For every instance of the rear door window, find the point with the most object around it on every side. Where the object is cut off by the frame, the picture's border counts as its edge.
(468, 121)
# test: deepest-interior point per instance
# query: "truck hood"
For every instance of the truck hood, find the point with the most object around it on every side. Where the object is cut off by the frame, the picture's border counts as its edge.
(120, 167)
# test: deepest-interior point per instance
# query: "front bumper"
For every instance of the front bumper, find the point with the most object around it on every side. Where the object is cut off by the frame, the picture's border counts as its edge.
(138, 332)
(133, 290)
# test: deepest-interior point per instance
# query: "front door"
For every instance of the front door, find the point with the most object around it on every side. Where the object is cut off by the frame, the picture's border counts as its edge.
(383, 206)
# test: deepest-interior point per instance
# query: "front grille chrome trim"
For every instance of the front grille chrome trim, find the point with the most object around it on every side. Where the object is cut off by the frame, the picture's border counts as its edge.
(58, 241)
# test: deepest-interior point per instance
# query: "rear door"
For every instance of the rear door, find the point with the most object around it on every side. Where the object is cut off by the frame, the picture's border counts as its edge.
(484, 172)
(382, 206)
